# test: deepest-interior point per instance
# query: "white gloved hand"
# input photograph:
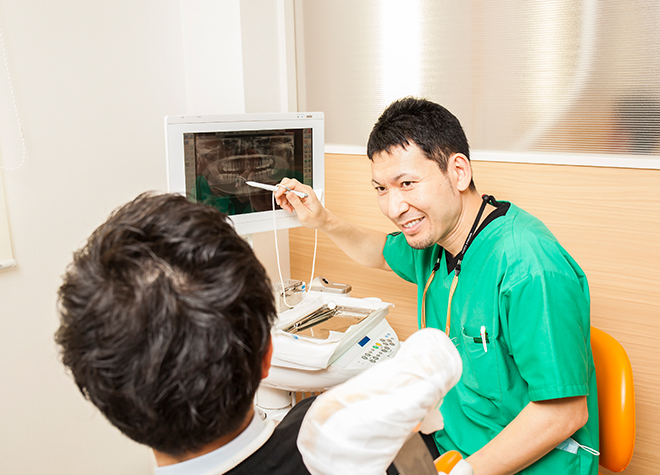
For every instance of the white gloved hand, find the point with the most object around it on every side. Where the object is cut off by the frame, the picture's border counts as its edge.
(461, 468)
(360, 426)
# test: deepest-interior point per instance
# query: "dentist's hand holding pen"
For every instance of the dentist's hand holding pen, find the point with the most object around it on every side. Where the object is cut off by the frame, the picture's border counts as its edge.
(311, 212)
(364, 246)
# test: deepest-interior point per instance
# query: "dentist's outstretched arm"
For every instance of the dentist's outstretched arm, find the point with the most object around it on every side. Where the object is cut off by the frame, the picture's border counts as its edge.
(364, 246)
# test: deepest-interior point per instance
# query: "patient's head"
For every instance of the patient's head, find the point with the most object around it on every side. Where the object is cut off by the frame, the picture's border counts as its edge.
(165, 323)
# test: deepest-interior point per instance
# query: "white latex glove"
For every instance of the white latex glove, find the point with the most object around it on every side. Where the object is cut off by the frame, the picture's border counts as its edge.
(360, 426)
(461, 468)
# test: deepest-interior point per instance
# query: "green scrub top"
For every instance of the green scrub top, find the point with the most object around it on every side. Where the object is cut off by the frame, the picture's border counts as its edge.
(532, 299)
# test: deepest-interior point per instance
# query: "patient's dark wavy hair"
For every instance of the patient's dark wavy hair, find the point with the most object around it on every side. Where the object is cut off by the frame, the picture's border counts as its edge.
(435, 130)
(165, 320)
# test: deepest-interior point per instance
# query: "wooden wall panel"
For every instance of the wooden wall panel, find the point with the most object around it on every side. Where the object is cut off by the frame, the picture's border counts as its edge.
(607, 218)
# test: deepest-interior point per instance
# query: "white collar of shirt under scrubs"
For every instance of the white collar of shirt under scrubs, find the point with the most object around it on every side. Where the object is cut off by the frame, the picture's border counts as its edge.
(226, 457)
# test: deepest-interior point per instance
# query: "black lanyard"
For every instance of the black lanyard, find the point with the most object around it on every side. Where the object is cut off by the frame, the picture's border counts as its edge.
(457, 268)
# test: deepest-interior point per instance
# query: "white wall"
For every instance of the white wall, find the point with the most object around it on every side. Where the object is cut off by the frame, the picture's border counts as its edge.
(93, 81)
(213, 60)
(238, 58)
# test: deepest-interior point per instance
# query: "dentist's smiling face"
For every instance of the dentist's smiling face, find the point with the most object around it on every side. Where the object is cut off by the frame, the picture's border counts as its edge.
(416, 195)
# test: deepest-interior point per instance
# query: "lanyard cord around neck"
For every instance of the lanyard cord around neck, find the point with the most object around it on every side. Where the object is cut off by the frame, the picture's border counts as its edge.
(457, 267)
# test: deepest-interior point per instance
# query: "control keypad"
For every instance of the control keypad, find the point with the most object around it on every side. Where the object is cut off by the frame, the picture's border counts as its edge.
(379, 349)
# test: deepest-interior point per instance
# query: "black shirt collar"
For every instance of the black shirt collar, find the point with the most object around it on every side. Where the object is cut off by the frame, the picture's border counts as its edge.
(500, 210)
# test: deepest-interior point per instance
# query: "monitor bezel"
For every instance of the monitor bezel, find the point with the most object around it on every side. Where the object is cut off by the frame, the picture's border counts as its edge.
(177, 125)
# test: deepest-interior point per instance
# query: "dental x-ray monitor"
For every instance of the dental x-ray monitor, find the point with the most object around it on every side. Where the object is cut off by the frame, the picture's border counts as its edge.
(211, 157)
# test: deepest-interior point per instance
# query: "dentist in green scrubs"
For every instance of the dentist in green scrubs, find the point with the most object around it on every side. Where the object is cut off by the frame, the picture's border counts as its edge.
(496, 280)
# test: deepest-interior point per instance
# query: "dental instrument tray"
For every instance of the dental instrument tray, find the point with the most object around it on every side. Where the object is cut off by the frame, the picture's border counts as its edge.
(315, 334)
(329, 317)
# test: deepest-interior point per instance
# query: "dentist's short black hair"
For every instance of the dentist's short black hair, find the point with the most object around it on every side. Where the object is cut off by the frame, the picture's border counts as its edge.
(435, 130)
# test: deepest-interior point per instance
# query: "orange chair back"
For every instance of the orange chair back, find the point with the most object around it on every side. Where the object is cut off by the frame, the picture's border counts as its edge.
(616, 401)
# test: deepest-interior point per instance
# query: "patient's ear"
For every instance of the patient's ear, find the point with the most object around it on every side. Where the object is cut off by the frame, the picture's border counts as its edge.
(265, 363)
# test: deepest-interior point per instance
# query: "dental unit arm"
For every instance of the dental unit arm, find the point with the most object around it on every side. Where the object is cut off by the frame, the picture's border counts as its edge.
(321, 342)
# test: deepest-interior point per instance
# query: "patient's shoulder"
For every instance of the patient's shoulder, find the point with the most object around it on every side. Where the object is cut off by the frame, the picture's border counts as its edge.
(279, 455)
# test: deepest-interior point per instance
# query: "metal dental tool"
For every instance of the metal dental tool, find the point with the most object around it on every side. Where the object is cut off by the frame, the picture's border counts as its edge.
(320, 315)
(263, 186)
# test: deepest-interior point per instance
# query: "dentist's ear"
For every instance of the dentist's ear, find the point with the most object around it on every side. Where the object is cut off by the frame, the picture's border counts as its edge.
(462, 170)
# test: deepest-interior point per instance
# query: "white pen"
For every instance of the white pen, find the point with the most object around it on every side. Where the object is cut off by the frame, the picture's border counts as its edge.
(484, 336)
(263, 186)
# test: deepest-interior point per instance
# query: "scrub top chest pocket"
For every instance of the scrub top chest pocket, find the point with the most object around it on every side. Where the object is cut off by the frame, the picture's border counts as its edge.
(481, 371)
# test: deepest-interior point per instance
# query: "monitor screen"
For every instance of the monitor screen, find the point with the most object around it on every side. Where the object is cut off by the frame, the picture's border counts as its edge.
(210, 159)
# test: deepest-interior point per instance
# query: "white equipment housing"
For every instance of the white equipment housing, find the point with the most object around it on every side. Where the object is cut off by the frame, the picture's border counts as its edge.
(303, 363)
